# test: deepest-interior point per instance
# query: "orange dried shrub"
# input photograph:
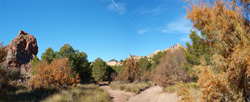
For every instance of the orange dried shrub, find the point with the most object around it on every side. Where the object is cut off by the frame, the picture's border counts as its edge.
(131, 72)
(57, 74)
(185, 93)
(146, 76)
(4, 80)
(170, 69)
(213, 86)
(3, 52)
(225, 25)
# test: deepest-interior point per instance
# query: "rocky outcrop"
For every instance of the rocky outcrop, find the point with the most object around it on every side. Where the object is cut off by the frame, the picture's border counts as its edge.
(153, 54)
(174, 48)
(20, 51)
(150, 56)
(135, 57)
(114, 63)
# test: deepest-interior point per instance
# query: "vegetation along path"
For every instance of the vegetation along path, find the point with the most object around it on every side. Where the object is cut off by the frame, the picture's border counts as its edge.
(152, 94)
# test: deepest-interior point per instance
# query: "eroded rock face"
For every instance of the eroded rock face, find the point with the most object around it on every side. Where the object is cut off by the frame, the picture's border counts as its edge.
(20, 51)
(114, 63)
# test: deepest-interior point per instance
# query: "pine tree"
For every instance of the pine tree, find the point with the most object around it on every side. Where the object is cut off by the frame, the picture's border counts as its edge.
(194, 52)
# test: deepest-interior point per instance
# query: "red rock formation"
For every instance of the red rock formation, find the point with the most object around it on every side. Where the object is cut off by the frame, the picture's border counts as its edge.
(20, 51)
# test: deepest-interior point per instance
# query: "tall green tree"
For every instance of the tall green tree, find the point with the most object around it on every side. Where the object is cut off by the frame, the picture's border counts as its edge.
(77, 61)
(48, 55)
(156, 59)
(99, 68)
(196, 50)
(144, 64)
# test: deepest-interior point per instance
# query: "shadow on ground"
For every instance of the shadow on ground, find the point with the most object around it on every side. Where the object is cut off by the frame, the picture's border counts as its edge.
(26, 95)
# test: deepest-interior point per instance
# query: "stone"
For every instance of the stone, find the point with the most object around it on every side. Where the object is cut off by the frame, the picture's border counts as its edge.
(20, 51)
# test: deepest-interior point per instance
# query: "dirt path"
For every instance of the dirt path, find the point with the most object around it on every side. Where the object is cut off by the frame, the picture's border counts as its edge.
(152, 94)
(118, 95)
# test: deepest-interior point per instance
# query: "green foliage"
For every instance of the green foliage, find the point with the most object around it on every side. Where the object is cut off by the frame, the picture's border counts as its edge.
(77, 61)
(48, 55)
(117, 69)
(113, 60)
(121, 60)
(195, 51)
(34, 62)
(156, 59)
(144, 64)
(99, 70)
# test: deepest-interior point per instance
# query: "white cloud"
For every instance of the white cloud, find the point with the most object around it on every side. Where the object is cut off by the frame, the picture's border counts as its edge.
(180, 26)
(142, 31)
(151, 11)
(117, 7)
(185, 38)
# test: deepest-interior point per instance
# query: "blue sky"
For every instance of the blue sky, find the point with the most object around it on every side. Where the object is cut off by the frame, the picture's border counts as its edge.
(109, 29)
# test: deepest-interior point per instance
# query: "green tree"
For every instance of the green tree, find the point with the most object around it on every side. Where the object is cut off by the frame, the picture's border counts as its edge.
(156, 59)
(34, 62)
(77, 61)
(99, 68)
(196, 50)
(113, 60)
(118, 69)
(48, 55)
(121, 60)
(144, 64)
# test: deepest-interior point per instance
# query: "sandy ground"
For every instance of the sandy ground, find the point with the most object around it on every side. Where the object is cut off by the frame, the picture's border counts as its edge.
(118, 95)
(152, 94)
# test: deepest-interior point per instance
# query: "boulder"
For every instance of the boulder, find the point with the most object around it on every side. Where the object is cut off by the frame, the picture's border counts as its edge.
(20, 51)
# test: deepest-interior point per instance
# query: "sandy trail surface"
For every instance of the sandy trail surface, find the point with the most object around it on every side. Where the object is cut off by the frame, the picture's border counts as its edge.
(152, 94)
(118, 95)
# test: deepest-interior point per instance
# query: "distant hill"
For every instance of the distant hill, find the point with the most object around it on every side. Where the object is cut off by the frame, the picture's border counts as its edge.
(172, 49)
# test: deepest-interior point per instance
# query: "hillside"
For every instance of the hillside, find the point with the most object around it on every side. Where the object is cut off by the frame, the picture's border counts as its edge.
(150, 56)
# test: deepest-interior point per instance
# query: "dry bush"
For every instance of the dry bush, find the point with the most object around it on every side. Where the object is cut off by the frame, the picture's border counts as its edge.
(131, 71)
(4, 80)
(147, 76)
(55, 74)
(3, 52)
(170, 69)
(184, 92)
(81, 93)
(225, 25)
(212, 86)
